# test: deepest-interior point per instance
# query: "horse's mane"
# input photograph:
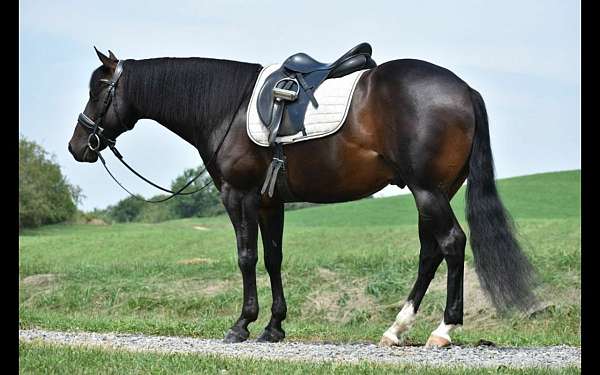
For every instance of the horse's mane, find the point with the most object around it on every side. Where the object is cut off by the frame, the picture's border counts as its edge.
(195, 91)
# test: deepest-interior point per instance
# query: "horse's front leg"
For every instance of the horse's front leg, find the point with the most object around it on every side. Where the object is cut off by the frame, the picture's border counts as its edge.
(242, 207)
(271, 229)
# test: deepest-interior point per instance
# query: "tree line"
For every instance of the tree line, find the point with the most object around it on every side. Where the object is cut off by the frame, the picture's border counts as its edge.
(203, 203)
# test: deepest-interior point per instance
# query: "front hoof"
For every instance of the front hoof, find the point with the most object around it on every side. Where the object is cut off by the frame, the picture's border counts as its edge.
(387, 342)
(271, 335)
(437, 342)
(234, 336)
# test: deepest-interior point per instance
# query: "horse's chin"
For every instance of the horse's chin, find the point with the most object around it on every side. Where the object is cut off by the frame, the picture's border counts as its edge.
(88, 156)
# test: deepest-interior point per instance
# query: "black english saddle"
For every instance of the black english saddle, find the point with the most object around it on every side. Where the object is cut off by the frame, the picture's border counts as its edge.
(286, 93)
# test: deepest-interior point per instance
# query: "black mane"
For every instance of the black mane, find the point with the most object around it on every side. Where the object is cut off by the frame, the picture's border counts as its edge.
(195, 91)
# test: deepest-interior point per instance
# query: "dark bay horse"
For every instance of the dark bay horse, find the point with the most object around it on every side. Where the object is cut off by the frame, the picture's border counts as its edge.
(410, 123)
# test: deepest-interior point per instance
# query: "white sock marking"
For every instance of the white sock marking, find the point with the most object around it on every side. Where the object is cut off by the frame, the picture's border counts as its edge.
(443, 330)
(404, 320)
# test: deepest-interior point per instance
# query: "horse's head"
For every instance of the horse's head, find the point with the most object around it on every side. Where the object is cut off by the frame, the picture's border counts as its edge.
(106, 114)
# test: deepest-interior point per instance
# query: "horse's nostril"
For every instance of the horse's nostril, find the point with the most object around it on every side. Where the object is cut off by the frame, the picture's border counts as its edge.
(70, 148)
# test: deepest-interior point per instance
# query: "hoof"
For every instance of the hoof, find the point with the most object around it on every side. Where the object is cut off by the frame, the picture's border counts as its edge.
(387, 342)
(271, 335)
(437, 342)
(235, 336)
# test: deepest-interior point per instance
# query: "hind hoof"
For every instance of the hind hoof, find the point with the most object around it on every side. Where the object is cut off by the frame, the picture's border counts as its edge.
(388, 342)
(437, 342)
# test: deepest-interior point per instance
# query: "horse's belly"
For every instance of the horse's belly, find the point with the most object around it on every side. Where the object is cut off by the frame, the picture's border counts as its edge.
(355, 174)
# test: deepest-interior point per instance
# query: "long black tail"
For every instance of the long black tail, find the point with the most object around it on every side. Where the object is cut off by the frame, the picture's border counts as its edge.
(504, 271)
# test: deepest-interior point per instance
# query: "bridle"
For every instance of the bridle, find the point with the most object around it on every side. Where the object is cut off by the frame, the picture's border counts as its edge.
(97, 134)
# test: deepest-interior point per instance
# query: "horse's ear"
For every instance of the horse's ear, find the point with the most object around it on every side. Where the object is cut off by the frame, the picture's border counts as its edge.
(106, 61)
(112, 56)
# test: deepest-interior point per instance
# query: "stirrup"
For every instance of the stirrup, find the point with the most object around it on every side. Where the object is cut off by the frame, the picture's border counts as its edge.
(284, 93)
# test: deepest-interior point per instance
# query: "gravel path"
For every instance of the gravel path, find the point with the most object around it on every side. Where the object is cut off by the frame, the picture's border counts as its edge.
(481, 356)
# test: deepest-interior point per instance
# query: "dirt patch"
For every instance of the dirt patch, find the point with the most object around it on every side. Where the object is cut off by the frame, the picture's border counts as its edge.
(478, 309)
(337, 300)
(40, 280)
(195, 261)
(198, 287)
(96, 221)
(200, 227)
(214, 288)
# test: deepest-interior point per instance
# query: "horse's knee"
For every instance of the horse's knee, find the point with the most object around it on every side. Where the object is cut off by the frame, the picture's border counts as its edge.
(247, 259)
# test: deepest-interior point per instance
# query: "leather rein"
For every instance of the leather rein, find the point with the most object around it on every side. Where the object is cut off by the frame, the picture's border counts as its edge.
(97, 135)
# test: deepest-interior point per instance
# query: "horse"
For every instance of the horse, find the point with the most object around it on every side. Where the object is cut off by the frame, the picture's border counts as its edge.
(410, 123)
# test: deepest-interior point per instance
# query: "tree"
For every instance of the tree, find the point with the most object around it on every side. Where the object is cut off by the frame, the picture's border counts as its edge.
(45, 196)
(126, 210)
(202, 203)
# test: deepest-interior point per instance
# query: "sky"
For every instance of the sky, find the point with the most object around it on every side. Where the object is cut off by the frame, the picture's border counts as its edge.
(524, 58)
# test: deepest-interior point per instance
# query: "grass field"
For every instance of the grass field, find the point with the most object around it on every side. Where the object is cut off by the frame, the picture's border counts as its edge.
(47, 359)
(347, 268)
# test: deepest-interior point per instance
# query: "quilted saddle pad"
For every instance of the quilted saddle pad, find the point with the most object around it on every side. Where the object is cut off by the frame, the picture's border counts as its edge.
(333, 95)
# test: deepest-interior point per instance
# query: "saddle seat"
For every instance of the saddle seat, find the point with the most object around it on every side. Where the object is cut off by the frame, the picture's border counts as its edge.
(284, 97)
(303, 63)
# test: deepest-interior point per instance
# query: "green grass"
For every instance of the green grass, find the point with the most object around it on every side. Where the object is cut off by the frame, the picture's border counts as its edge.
(49, 359)
(347, 267)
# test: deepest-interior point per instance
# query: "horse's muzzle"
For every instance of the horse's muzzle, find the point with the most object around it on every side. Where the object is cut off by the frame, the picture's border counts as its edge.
(84, 154)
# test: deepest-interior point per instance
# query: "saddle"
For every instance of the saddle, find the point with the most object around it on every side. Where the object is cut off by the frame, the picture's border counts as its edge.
(284, 97)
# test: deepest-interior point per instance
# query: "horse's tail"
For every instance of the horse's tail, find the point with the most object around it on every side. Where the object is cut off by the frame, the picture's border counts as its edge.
(504, 271)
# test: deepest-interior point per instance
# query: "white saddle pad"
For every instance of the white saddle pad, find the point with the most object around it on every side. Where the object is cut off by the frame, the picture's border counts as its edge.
(333, 95)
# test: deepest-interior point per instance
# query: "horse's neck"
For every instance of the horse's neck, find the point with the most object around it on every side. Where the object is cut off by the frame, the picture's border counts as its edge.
(199, 116)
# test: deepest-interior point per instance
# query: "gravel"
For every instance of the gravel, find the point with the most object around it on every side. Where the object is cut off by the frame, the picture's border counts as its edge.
(479, 356)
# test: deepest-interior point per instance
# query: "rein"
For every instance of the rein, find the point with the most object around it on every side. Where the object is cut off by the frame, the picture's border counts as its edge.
(97, 134)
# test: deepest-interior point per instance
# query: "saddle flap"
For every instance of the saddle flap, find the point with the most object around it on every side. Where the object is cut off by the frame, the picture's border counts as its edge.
(293, 114)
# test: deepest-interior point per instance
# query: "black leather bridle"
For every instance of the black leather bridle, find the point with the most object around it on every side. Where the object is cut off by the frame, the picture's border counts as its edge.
(97, 132)
(97, 135)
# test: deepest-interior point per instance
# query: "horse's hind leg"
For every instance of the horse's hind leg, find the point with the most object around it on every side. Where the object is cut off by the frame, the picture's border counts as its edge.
(430, 258)
(438, 224)
(270, 220)
(434, 207)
